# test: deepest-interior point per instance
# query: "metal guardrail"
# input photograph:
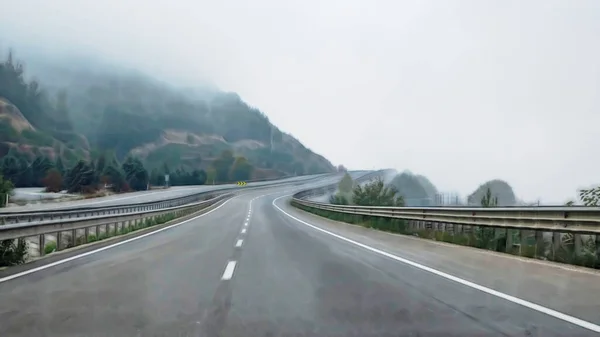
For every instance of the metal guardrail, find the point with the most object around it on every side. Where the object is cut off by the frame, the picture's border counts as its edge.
(580, 220)
(99, 223)
(14, 217)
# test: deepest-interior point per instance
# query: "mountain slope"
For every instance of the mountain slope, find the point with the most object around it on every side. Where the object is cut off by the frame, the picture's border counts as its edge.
(88, 111)
(18, 135)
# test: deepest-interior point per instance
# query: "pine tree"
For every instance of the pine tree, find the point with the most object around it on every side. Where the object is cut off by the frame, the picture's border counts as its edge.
(487, 200)
(346, 184)
(590, 197)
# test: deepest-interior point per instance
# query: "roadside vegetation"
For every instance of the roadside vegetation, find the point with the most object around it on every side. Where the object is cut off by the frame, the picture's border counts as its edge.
(374, 193)
(6, 188)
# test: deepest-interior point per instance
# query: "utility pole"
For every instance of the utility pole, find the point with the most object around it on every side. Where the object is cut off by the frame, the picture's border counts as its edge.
(271, 139)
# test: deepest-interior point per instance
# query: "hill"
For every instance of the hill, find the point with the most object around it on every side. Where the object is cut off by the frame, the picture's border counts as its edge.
(499, 188)
(427, 185)
(417, 190)
(81, 113)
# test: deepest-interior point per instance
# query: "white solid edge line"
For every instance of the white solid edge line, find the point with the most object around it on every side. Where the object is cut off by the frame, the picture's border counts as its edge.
(56, 263)
(243, 230)
(228, 273)
(530, 305)
(239, 243)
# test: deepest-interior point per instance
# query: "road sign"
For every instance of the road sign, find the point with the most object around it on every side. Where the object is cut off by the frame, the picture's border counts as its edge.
(241, 183)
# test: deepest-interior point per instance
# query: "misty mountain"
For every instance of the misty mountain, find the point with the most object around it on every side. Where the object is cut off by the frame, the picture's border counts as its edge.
(417, 190)
(499, 188)
(76, 109)
(427, 185)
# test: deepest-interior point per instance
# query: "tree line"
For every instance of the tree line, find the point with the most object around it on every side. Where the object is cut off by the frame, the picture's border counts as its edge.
(106, 172)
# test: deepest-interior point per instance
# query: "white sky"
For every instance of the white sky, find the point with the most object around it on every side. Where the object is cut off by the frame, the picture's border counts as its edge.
(459, 91)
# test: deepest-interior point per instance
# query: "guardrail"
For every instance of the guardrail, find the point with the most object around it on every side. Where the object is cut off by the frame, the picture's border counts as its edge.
(74, 231)
(563, 234)
(14, 217)
(577, 220)
(582, 220)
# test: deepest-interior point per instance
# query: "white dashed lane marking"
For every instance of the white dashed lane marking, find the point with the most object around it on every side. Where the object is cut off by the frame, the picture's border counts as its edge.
(228, 273)
(244, 231)
(239, 243)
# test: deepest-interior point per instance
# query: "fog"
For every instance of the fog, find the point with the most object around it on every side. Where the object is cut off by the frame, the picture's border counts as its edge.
(458, 91)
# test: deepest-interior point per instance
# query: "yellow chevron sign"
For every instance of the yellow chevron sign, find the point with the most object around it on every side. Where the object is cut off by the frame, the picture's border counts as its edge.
(241, 183)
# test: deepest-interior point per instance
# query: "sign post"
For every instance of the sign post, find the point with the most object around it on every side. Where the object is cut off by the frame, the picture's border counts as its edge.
(166, 180)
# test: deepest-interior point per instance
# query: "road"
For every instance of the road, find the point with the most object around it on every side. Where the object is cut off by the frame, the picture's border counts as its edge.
(251, 268)
(138, 197)
(36, 194)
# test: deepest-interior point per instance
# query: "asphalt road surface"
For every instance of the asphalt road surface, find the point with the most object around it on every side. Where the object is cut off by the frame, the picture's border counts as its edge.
(251, 268)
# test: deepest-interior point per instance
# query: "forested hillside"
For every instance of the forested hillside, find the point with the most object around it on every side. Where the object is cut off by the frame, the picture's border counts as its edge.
(65, 116)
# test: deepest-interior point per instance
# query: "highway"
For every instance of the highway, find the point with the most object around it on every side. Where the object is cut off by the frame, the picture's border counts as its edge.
(139, 196)
(255, 266)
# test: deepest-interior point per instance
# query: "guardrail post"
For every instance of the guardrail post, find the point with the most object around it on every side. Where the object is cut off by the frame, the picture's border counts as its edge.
(74, 237)
(555, 244)
(42, 244)
(597, 248)
(97, 232)
(59, 240)
(509, 241)
(540, 247)
(577, 244)
(523, 239)
(86, 234)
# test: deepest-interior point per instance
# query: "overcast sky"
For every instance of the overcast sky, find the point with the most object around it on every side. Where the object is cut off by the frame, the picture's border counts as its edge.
(459, 91)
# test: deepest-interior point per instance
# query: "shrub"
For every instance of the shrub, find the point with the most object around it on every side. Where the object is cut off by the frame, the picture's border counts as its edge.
(12, 252)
